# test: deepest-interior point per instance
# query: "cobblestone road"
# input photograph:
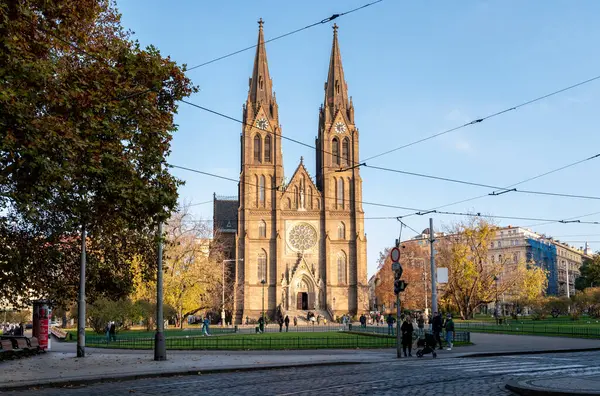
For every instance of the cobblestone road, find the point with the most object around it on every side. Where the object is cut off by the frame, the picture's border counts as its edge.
(453, 376)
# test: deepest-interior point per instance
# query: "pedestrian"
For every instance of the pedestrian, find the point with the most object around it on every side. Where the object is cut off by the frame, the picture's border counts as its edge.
(325, 321)
(295, 321)
(113, 331)
(407, 334)
(449, 325)
(318, 319)
(421, 326)
(107, 330)
(436, 328)
(261, 324)
(287, 322)
(280, 321)
(206, 326)
(390, 322)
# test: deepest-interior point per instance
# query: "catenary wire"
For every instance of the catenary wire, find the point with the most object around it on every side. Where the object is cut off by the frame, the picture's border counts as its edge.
(321, 22)
(419, 212)
(503, 190)
(480, 120)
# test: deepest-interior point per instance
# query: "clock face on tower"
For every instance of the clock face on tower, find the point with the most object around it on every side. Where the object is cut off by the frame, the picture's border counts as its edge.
(340, 127)
(262, 123)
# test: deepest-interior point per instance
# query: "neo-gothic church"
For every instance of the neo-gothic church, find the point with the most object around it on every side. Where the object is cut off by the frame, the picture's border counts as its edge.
(300, 245)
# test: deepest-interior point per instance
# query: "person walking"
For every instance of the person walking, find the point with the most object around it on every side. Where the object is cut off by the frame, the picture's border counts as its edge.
(287, 323)
(205, 326)
(449, 325)
(421, 326)
(436, 328)
(280, 321)
(390, 322)
(407, 334)
(113, 331)
(107, 329)
(261, 324)
(295, 321)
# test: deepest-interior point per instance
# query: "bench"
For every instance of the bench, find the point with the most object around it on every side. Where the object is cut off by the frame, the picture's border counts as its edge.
(6, 350)
(22, 344)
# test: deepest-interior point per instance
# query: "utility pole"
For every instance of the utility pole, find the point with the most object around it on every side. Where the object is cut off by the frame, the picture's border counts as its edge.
(160, 349)
(398, 325)
(81, 302)
(425, 284)
(434, 302)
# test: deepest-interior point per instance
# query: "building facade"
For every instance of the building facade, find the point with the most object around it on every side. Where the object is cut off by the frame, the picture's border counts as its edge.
(299, 245)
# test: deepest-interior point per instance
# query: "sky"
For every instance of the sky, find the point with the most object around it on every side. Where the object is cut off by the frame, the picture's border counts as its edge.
(413, 69)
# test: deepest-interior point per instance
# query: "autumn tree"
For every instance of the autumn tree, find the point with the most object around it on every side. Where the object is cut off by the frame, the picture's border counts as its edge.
(474, 278)
(413, 259)
(193, 272)
(86, 116)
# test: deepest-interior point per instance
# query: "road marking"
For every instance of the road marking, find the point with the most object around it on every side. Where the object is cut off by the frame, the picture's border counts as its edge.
(535, 369)
(570, 372)
(331, 387)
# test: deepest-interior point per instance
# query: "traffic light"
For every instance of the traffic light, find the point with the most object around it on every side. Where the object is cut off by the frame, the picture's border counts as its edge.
(397, 286)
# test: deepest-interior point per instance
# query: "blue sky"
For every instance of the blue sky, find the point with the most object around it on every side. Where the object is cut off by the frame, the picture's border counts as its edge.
(413, 69)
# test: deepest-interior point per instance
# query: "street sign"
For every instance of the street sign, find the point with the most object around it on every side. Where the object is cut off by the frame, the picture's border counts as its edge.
(395, 266)
(395, 254)
(442, 275)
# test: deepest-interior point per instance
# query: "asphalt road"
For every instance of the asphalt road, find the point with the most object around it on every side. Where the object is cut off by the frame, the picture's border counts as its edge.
(412, 376)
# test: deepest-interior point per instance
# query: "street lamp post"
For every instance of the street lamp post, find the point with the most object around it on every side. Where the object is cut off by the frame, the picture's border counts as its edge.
(223, 293)
(496, 279)
(262, 282)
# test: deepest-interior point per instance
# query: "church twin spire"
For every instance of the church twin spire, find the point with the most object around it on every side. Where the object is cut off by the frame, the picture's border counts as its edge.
(261, 85)
(336, 89)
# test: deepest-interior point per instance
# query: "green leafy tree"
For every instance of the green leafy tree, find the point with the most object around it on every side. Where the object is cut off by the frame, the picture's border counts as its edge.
(590, 273)
(86, 116)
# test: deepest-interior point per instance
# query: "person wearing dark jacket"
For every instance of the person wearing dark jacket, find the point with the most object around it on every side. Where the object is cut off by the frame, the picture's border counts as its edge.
(280, 321)
(390, 322)
(407, 340)
(287, 323)
(436, 328)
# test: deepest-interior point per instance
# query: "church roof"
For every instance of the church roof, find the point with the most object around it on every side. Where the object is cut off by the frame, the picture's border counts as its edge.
(301, 169)
(225, 214)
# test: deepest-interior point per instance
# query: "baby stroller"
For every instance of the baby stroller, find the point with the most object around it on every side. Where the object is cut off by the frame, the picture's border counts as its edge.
(427, 344)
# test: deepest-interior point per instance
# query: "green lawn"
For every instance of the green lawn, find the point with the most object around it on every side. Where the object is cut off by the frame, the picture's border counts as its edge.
(579, 329)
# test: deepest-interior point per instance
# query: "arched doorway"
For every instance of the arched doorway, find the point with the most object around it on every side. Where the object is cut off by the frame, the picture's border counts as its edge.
(304, 294)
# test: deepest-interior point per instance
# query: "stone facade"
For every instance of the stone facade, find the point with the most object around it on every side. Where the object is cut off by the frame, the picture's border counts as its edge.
(299, 245)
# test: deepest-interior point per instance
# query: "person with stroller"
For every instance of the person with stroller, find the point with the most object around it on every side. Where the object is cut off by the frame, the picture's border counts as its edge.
(407, 335)
(436, 328)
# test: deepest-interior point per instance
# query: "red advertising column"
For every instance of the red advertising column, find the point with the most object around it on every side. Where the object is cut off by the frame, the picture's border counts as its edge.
(40, 323)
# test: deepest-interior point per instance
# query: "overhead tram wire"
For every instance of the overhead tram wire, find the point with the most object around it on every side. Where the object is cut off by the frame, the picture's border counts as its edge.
(279, 189)
(493, 193)
(480, 120)
(321, 22)
(419, 212)
(516, 184)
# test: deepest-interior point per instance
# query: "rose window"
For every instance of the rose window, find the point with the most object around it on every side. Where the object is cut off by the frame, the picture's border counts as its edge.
(303, 236)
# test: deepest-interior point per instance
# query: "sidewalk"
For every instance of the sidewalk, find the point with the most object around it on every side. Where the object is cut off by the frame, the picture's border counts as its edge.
(557, 386)
(60, 366)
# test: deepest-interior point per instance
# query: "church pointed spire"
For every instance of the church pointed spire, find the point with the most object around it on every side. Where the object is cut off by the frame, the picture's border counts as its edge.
(336, 89)
(261, 85)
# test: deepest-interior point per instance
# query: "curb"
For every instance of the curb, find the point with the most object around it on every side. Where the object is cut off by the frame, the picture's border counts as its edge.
(132, 377)
(541, 352)
(523, 388)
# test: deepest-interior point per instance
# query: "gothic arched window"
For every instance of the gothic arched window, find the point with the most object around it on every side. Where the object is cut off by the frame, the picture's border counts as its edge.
(268, 149)
(342, 231)
(261, 190)
(262, 266)
(341, 268)
(262, 229)
(260, 82)
(257, 148)
(337, 86)
(346, 151)
(310, 197)
(335, 151)
(340, 193)
(296, 195)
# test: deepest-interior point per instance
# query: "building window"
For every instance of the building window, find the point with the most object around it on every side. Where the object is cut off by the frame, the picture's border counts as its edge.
(346, 151)
(341, 267)
(340, 193)
(260, 82)
(492, 245)
(261, 190)
(341, 231)
(515, 258)
(257, 148)
(262, 229)
(310, 197)
(268, 149)
(335, 151)
(262, 266)
(493, 259)
(296, 197)
(499, 244)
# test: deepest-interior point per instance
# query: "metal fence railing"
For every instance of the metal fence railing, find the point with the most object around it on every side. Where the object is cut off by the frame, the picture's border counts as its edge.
(565, 330)
(245, 343)
(459, 336)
